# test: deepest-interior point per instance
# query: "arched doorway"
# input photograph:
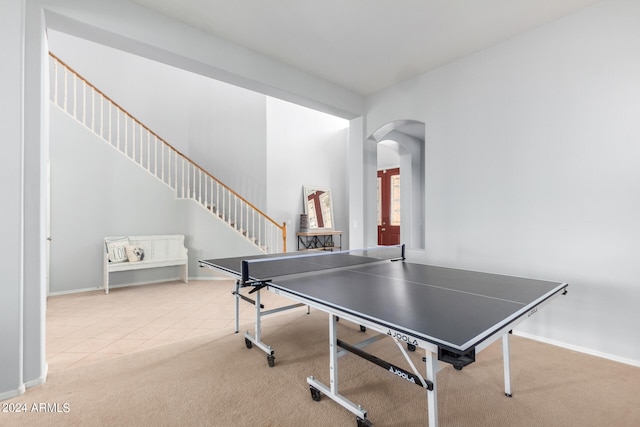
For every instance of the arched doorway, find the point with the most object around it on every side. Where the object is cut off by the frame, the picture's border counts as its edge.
(406, 139)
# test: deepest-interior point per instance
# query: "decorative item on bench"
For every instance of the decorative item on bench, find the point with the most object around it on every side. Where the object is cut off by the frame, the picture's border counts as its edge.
(120, 250)
(126, 253)
(304, 222)
(135, 253)
(117, 249)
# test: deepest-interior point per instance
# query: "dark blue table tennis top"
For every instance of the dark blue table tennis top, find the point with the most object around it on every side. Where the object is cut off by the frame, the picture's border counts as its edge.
(454, 308)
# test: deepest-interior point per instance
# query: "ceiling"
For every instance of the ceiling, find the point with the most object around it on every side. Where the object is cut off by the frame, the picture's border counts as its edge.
(365, 45)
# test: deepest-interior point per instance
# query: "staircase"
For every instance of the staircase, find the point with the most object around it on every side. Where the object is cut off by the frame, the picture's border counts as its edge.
(101, 115)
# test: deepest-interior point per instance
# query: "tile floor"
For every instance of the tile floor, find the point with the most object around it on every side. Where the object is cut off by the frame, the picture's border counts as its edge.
(92, 326)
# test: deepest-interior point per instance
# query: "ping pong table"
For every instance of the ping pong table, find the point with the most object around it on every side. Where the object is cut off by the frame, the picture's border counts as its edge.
(451, 314)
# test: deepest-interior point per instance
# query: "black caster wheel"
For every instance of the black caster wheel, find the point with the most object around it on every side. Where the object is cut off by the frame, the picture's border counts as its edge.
(315, 393)
(411, 347)
(363, 422)
(363, 328)
(271, 360)
(248, 343)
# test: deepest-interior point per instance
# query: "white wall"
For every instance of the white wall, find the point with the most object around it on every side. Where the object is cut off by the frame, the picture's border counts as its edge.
(11, 216)
(96, 192)
(532, 152)
(219, 126)
(225, 131)
(388, 155)
(305, 147)
(234, 133)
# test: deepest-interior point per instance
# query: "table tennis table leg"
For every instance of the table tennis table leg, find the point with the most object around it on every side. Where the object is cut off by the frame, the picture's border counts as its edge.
(333, 355)
(258, 325)
(507, 364)
(317, 388)
(236, 294)
(256, 339)
(432, 395)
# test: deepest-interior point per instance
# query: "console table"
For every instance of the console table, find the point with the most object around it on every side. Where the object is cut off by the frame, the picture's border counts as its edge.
(324, 240)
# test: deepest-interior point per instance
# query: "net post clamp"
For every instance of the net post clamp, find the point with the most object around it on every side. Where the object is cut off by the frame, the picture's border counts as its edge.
(257, 285)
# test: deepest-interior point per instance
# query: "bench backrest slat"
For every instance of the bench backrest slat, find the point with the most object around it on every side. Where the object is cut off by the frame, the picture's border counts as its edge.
(161, 247)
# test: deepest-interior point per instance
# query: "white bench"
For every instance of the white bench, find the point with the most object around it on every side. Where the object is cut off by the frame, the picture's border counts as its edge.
(123, 253)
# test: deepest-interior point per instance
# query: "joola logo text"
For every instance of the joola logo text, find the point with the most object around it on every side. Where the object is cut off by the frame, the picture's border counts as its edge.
(401, 374)
(402, 337)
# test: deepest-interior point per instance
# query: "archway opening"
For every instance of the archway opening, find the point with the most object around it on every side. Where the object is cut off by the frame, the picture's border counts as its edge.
(400, 183)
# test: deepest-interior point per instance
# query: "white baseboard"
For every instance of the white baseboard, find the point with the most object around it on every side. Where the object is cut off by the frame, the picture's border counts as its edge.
(74, 291)
(148, 282)
(579, 349)
(124, 285)
(13, 393)
(38, 381)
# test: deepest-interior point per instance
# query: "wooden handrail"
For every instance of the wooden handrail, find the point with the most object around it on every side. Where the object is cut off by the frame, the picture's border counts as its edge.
(282, 227)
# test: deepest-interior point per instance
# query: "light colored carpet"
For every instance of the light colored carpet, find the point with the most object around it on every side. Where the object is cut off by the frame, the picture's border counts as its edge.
(214, 380)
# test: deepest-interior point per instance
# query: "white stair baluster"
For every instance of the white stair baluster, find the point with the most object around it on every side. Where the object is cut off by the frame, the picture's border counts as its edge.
(65, 93)
(84, 103)
(110, 122)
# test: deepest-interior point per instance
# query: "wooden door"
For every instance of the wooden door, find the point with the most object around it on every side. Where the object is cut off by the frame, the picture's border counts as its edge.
(389, 207)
